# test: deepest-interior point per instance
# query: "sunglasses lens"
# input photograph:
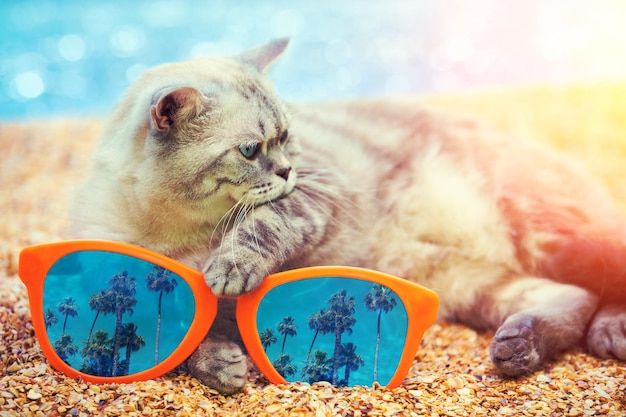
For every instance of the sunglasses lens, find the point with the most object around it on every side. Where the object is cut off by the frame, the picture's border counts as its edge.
(342, 330)
(109, 314)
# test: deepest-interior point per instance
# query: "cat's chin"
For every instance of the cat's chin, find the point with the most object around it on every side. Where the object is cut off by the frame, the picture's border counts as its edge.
(287, 189)
(290, 185)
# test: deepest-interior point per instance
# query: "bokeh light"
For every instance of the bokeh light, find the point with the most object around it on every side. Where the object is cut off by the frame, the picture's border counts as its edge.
(75, 58)
(29, 84)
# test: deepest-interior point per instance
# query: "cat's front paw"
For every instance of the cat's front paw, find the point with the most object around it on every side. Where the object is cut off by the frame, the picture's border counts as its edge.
(516, 348)
(220, 365)
(236, 275)
(606, 336)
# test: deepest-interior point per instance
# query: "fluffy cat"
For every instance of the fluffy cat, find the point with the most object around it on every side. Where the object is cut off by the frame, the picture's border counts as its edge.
(203, 162)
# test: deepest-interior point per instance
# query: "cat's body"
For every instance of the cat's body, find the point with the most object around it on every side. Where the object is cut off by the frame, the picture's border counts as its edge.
(501, 229)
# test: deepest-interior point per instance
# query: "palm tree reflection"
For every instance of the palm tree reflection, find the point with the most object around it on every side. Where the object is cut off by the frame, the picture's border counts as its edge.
(159, 281)
(108, 345)
(335, 358)
(380, 299)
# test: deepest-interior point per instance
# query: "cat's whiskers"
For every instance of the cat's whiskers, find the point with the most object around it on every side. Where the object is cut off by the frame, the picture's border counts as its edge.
(242, 214)
(315, 175)
(326, 181)
(224, 221)
(234, 216)
(254, 234)
(332, 198)
(319, 206)
(244, 210)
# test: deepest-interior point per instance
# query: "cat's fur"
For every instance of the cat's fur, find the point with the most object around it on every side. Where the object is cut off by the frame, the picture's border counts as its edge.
(511, 236)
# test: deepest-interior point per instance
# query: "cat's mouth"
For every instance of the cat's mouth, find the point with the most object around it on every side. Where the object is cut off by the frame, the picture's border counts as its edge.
(271, 191)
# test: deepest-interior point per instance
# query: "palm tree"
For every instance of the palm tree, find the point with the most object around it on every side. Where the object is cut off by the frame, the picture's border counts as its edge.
(284, 366)
(123, 290)
(267, 338)
(65, 347)
(102, 302)
(67, 308)
(320, 368)
(50, 319)
(381, 299)
(287, 327)
(132, 341)
(159, 281)
(341, 314)
(320, 323)
(98, 353)
(350, 360)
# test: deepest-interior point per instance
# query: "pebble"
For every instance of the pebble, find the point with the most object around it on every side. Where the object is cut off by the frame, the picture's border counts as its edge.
(34, 395)
(543, 378)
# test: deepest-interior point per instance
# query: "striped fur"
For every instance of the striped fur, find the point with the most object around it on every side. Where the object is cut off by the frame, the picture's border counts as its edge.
(512, 236)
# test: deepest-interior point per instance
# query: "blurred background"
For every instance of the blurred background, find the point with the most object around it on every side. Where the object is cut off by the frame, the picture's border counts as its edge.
(76, 57)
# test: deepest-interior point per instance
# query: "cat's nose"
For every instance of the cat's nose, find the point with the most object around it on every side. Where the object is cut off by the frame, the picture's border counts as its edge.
(284, 172)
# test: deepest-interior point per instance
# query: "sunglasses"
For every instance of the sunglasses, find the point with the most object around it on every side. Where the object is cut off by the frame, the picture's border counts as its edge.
(113, 312)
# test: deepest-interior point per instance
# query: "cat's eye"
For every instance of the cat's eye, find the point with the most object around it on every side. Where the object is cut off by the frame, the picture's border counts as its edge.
(283, 137)
(249, 150)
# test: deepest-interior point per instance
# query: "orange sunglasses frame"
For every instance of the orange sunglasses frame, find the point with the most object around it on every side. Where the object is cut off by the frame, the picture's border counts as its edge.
(35, 261)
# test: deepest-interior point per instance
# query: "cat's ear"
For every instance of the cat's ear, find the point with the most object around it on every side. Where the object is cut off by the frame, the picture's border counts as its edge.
(263, 56)
(172, 107)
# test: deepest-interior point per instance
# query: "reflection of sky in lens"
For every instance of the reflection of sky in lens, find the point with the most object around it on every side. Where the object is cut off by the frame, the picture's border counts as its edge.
(301, 299)
(81, 274)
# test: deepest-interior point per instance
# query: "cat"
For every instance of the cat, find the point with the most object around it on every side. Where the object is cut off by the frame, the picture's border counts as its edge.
(203, 162)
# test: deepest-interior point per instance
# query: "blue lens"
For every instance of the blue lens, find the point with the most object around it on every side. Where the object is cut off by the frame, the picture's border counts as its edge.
(342, 330)
(109, 314)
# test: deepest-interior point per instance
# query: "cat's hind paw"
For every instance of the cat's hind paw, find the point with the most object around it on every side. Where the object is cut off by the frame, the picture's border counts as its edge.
(219, 364)
(516, 348)
(606, 336)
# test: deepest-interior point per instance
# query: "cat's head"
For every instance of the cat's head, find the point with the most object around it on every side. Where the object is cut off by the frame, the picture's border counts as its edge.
(209, 132)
